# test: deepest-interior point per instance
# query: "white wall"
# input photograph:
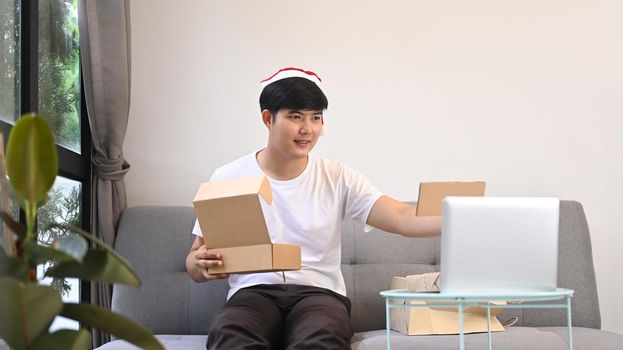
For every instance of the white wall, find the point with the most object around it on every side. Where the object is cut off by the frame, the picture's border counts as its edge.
(527, 95)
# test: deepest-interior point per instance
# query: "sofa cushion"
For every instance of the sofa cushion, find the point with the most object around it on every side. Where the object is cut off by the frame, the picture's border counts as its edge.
(155, 240)
(169, 341)
(589, 338)
(515, 338)
(149, 239)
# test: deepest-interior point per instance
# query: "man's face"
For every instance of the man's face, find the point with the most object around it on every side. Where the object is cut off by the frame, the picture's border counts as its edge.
(294, 133)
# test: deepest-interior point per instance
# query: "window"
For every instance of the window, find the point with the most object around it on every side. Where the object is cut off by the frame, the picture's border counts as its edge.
(59, 70)
(40, 72)
(63, 206)
(9, 61)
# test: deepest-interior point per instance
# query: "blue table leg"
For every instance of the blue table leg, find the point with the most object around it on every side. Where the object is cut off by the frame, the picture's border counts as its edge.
(569, 326)
(461, 335)
(489, 324)
(387, 324)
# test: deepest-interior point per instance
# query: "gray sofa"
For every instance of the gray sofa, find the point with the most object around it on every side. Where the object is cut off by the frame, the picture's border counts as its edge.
(156, 240)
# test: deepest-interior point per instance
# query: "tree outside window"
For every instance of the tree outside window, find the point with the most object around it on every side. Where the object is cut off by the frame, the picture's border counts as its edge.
(9, 61)
(59, 70)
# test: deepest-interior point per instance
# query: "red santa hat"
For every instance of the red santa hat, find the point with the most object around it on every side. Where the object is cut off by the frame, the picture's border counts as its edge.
(291, 72)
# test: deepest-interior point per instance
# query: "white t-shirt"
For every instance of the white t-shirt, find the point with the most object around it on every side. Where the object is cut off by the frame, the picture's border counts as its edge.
(307, 210)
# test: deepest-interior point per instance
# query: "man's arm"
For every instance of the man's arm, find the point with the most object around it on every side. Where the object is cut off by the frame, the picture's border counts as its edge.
(198, 261)
(391, 215)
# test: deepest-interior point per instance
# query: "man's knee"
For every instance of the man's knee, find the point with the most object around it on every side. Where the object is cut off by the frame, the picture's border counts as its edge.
(321, 322)
(246, 323)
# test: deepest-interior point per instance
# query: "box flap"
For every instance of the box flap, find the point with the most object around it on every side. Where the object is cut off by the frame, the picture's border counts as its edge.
(235, 187)
(265, 191)
(432, 194)
(230, 213)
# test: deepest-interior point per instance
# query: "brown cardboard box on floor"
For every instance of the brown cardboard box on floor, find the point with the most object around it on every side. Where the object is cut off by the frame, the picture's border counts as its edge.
(231, 219)
(424, 320)
(432, 194)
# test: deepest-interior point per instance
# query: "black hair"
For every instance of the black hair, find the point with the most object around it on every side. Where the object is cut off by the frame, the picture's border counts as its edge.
(292, 93)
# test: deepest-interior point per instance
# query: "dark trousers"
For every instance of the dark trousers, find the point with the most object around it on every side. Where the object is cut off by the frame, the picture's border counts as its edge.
(283, 316)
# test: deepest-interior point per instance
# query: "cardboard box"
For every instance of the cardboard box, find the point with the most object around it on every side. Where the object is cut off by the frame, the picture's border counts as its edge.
(426, 282)
(432, 194)
(437, 320)
(231, 219)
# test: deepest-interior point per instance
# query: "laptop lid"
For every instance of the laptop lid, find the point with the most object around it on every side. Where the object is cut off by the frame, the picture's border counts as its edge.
(499, 245)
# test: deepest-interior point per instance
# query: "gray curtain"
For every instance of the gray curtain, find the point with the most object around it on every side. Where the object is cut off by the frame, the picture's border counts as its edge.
(105, 50)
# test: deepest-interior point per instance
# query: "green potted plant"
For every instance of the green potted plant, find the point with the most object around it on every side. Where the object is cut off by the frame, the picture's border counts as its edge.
(27, 307)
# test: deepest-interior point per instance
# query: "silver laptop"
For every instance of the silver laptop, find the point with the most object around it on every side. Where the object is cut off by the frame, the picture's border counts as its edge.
(492, 245)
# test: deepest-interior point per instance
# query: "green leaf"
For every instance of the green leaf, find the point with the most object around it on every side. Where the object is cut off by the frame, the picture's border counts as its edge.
(19, 229)
(98, 242)
(31, 159)
(81, 232)
(98, 265)
(27, 310)
(13, 267)
(64, 339)
(44, 253)
(118, 325)
(73, 245)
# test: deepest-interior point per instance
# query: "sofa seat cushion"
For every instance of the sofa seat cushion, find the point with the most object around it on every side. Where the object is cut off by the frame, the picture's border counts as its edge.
(589, 338)
(515, 338)
(169, 341)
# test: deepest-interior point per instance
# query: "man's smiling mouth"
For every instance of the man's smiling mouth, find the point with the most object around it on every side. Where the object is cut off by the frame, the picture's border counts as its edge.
(302, 142)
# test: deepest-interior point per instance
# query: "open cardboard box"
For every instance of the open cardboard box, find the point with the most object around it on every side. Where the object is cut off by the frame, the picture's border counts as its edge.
(433, 319)
(431, 195)
(231, 219)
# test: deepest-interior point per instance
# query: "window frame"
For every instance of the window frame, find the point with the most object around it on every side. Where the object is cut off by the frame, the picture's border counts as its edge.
(71, 165)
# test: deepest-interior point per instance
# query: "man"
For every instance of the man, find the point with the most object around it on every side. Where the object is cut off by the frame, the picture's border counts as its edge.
(311, 196)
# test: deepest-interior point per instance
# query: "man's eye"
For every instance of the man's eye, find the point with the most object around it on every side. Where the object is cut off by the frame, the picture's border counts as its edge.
(295, 116)
(317, 118)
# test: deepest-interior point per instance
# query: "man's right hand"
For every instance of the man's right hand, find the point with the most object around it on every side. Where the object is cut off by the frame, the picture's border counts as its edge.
(199, 260)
